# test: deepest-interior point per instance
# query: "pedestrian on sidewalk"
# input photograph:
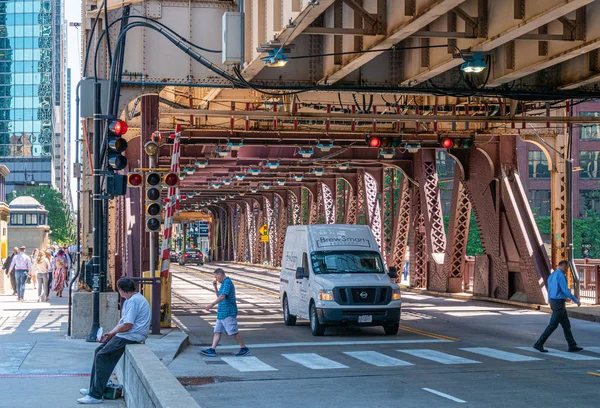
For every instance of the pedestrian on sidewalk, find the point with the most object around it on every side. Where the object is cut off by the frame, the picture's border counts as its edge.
(132, 328)
(34, 256)
(40, 270)
(50, 265)
(9, 273)
(60, 272)
(226, 314)
(558, 292)
(21, 265)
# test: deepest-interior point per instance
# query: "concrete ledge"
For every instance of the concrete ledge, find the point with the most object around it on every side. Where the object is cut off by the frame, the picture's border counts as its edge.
(148, 383)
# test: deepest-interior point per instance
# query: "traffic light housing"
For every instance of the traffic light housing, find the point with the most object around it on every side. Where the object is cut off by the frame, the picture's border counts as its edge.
(456, 142)
(170, 180)
(153, 203)
(116, 144)
(373, 141)
(135, 179)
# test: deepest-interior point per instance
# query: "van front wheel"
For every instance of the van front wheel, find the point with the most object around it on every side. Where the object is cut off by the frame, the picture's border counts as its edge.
(289, 319)
(316, 328)
(391, 329)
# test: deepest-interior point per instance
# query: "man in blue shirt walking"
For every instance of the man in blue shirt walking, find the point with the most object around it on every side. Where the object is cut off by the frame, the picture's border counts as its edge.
(226, 314)
(558, 292)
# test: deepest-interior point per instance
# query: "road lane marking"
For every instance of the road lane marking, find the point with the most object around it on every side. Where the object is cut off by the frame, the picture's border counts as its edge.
(335, 343)
(499, 354)
(314, 361)
(563, 354)
(377, 359)
(593, 373)
(247, 364)
(237, 282)
(592, 349)
(441, 394)
(438, 356)
(428, 334)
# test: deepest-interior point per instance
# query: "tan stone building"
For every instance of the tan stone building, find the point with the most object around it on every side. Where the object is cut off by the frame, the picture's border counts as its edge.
(28, 224)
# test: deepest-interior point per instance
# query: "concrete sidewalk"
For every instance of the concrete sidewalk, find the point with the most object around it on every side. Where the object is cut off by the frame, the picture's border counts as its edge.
(38, 365)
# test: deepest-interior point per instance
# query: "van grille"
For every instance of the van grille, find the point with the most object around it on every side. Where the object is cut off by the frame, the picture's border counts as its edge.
(362, 296)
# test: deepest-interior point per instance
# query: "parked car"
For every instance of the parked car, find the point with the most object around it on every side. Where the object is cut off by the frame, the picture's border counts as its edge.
(191, 256)
(174, 256)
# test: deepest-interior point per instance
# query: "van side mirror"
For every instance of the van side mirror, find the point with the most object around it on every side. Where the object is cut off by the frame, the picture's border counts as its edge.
(300, 273)
(393, 273)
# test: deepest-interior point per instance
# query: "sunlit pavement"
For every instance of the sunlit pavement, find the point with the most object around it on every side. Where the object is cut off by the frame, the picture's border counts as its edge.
(38, 365)
(447, 352)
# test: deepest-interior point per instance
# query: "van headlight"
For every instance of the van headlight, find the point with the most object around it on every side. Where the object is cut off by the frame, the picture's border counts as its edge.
(326, 295)
(396, 294)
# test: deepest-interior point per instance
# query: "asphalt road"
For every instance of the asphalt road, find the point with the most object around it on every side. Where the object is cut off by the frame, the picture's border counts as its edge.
(448, 353)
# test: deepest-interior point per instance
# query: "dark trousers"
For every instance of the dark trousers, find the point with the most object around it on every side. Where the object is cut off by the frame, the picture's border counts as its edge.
(106, 358)
(13, 281)
(559, 316)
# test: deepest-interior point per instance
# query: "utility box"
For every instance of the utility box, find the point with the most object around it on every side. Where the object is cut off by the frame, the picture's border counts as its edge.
(232, 38)
(86, 99)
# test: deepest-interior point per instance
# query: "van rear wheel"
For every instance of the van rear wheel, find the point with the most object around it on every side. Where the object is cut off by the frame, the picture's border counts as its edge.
(289, 319)
(391, 329)
(316, 328)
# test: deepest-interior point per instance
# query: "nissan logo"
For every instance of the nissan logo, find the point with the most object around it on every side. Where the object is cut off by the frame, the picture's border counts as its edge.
(364, 295)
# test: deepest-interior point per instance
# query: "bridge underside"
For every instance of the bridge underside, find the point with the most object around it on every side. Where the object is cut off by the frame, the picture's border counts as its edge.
(264, 155)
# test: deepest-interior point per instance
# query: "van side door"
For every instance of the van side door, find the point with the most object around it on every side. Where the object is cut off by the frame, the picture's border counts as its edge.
(301, 288)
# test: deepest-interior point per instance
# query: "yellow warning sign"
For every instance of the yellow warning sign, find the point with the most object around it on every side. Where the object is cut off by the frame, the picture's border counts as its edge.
(264, 238)
(264, 230)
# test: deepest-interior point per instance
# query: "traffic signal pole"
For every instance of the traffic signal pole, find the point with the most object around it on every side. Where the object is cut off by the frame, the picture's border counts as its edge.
(153, 270)
(98, 213)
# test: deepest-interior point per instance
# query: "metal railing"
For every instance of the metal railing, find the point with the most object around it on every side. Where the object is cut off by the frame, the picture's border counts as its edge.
(589, 276)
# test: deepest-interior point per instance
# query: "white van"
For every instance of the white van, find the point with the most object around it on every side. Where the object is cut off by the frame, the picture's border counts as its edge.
(334, 274)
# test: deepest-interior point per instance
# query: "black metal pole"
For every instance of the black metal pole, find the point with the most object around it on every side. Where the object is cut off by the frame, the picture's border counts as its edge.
(569, 203)
(98, 214)
(78, 249)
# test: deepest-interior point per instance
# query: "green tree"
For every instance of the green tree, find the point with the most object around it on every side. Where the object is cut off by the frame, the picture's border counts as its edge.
(60, 220)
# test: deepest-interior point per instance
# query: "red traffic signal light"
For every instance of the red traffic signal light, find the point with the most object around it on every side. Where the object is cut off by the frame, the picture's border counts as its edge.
(134, 179)
(118, 127)
(447, 143)
(373, 141)
(171, 179)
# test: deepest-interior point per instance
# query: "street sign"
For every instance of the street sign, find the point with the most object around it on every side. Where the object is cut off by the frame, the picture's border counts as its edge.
(264, 238)
(264, 230)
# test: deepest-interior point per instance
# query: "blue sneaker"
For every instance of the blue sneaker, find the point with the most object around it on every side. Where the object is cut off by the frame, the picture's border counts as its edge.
(243, 352)
(210, 352)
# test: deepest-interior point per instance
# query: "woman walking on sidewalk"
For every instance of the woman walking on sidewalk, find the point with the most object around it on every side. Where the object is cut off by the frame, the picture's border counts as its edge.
(49, 272)
(60, 272)
(34, 256)
(40, 269)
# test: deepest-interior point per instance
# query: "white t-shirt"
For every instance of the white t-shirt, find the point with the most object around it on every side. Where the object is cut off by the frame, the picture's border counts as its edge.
(136, 311)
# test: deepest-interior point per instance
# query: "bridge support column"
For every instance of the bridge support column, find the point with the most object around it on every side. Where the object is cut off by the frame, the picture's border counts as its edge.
(431, 209)
(401, 226)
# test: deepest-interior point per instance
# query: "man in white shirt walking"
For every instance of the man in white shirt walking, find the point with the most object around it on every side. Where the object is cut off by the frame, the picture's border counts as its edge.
(21, 263)
(132, 328)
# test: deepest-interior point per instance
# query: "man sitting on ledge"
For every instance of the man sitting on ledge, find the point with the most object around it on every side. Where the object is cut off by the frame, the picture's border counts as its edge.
(132, 328)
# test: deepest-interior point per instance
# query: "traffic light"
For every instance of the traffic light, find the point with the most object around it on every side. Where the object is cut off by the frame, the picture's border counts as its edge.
(373, 141)
(456, 142)
(135, 179)
(153, 205)
(116, 144)
(170, 180)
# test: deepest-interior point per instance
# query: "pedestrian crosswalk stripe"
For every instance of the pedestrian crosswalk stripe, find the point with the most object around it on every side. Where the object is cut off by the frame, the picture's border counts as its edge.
(563, 354)
(313, 361)
(438, 356)
(592, 349)
(499, 354)
(377, 359)
(247, 364)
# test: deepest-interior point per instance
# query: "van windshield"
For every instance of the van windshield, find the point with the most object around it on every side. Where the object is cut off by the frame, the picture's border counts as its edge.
(325, 262)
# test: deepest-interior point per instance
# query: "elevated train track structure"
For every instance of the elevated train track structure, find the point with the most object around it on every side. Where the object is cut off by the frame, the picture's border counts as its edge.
(292, 144)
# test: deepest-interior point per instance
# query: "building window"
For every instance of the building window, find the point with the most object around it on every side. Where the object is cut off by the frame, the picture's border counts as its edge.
(589, 161)
(538, 165)
(589, 132)
(589, 203)
(539, 201)
(31, 219)
(16, 219)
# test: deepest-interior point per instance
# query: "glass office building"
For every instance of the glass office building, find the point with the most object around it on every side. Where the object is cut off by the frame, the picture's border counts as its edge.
(30, 81)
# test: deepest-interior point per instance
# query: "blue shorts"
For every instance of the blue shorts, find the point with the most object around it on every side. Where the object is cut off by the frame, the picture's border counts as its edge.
(229, 325)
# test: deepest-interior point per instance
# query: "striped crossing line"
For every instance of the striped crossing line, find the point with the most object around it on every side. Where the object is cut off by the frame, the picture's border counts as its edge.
(315, 361)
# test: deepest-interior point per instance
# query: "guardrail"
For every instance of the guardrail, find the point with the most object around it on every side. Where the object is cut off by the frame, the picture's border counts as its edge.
(589, 276)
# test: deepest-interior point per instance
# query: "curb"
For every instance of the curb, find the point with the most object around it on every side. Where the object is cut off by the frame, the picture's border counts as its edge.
(575, 314)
